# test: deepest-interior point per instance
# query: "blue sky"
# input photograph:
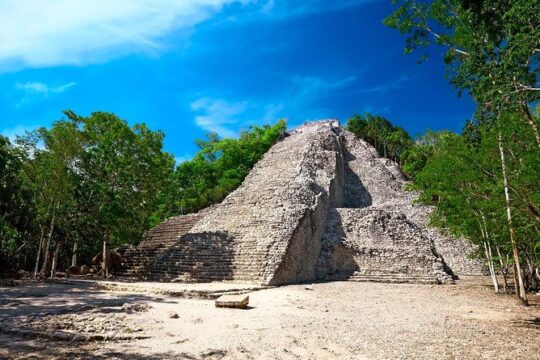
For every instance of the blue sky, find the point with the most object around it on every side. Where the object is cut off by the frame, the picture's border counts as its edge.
(193, 66)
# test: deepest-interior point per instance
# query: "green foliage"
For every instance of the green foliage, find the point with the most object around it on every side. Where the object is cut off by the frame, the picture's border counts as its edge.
(125, 174)
(92, 178)
(390, 141)
(493, 51)
(463, 179)
(16, 206)
(83, 178)
(220, 166)
(493, 48)
(415, 157)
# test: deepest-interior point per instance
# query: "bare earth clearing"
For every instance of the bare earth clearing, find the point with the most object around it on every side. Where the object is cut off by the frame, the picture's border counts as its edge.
(345, 320)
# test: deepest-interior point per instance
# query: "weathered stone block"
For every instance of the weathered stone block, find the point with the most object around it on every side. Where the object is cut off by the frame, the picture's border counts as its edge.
(233, 301)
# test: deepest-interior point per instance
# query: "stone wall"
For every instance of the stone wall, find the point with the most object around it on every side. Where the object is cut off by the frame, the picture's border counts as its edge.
(385, 186)
(372, 243)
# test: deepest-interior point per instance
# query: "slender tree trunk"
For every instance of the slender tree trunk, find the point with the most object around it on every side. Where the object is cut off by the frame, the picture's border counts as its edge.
(36, 267)
(25, 258)
(55, 260)
(47, 244)
(504, 270)
(104, 255)
(516, 288)
(531, 121)
(489, 254)
(74, 254)
(491, 268)
(515, 250)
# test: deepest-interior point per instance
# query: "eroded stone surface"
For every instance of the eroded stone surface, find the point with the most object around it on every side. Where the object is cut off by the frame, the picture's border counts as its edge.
(320, 204)
(233, 301)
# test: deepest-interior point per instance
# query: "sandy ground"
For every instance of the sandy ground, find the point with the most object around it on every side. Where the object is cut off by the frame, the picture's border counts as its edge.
(338, 320)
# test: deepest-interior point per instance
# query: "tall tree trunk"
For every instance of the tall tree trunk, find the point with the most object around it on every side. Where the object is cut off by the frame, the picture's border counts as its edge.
(74, 254)
(55, 260)
(532, 122)
(489, 254)
(47, 244)
(516, 287)
(491, 267)
(104, 255)
(504, 270)
(36, 267)
(515, 250)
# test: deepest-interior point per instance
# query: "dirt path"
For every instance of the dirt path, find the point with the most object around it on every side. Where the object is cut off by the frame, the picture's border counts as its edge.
(343, 320)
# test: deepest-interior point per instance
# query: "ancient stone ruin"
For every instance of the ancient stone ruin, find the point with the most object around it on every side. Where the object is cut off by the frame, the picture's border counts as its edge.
(320, 205)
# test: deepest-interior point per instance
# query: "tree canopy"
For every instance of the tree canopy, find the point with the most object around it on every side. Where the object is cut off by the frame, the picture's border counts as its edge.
(484, 183)
(94, 181)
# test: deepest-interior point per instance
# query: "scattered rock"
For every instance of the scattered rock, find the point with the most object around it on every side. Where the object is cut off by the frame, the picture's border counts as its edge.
(173, 315)
(79, 337)
(84, 270)
(9, 283)
(308, 287)
(74, 270)
(213, 354)
(135, 307)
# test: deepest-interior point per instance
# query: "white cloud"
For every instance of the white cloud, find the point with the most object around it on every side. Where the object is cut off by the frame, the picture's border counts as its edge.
(313, 85)
(270, 10)
(217, 114)
(34, 89)
(226, 118)
(391, 85)
(11, 133)
(302, 96)
(42, 88)
(40, 33)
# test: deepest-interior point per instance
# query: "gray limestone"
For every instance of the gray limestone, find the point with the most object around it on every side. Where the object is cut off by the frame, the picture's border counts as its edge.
(320, 204)
(239, 301)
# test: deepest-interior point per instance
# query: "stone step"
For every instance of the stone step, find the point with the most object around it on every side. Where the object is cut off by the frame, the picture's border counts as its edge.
(394, 278)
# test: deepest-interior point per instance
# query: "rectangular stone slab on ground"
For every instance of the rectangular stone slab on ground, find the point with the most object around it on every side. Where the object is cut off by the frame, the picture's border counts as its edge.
(233, 301)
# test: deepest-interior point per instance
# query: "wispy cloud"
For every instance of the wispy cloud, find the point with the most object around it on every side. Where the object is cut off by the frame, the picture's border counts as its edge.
(216, 115)
(11, 133)
(226, 118)
(44, 33)
(42, 88)
(302, 95)
(391, 85)
(33, 89)
(271, 10)
(319, 85)
(37, 33)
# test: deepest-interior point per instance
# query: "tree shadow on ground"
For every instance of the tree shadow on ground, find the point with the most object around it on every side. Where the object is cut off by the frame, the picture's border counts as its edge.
(39, 299)
(18, 348)
(42, 300)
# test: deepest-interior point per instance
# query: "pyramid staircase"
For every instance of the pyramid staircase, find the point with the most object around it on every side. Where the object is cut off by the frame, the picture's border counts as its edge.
(137, 260)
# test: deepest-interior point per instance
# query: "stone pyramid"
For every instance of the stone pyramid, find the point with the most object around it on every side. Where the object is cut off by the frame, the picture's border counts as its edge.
(320, 205)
